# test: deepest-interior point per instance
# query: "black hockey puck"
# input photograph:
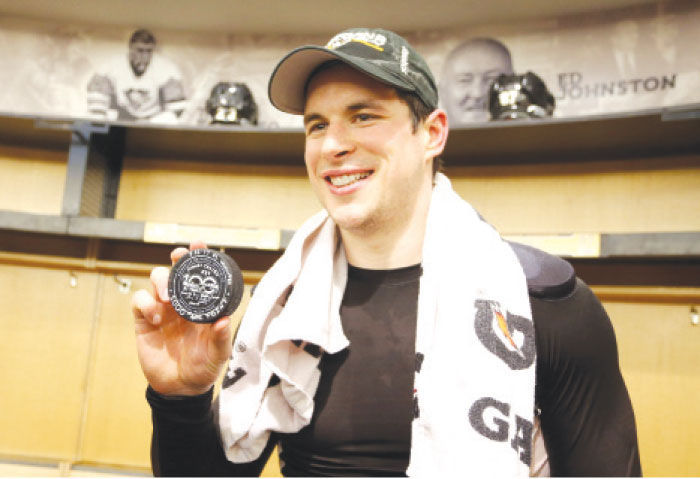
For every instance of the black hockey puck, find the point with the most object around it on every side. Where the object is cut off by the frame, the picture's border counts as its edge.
(205, 285)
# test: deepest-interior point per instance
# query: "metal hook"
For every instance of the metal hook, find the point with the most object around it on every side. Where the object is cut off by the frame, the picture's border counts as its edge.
(124, 284)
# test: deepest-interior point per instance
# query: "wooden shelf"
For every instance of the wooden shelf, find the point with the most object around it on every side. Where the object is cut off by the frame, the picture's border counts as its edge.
(636, 245)
(659, 132)
(654, 132)
(18, 130)
(662, 259)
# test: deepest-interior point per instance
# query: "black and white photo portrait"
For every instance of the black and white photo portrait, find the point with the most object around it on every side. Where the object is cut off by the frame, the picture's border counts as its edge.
(469, 70)
(142, 85)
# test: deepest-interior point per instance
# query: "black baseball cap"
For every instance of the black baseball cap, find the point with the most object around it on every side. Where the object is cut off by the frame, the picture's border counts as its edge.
(379, 53)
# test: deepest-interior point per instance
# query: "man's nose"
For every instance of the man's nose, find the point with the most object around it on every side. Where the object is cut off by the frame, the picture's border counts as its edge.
(337, 141)
(474, 90)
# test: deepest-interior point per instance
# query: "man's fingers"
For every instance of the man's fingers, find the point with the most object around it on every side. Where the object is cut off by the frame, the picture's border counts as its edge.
(221, 336)
(159, 280)
(145, 308)
(197, 244)
(177, 253)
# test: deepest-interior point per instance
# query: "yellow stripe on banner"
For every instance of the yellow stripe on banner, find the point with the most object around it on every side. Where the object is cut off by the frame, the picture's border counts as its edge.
(255, 238)
(581, 245)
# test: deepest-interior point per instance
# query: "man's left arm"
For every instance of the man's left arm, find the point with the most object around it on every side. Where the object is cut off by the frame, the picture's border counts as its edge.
(586, 414)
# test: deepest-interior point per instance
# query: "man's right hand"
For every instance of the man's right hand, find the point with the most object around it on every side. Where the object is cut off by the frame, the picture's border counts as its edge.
(178, 357)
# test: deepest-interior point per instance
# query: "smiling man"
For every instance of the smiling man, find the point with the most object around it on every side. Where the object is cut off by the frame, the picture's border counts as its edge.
(368, 167)
(398, 334)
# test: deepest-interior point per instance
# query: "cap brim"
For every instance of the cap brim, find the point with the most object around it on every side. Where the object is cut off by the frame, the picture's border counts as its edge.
(286, 89)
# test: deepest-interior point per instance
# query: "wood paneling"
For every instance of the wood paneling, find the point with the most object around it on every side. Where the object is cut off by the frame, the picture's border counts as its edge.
(48, 356)
(660, 361)
(32, 180)
(607, 197)
(28, 470)
(215, 194)
(45, 327)
(117, 418)
(640, 195)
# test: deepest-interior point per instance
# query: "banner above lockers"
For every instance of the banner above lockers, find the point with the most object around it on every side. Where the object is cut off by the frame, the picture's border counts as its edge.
(625, 60)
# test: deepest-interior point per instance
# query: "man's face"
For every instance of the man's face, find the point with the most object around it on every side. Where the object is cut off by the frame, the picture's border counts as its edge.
(466, 82)
(364, 161)
(140, 54)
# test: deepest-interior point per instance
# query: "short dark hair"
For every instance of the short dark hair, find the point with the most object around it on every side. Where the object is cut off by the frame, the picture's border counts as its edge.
(419, 112)
(417, 108)
(142, 36)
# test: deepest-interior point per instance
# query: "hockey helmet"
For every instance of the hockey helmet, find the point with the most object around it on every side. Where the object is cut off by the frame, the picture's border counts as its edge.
(232, 103)
(519, 96)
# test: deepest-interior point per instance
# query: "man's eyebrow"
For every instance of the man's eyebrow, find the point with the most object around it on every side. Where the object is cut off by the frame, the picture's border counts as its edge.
(361, 105)
(311, 117)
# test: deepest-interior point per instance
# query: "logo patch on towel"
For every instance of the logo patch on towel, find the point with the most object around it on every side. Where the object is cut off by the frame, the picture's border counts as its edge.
(492, 419)
(232, 377)
(508, 336)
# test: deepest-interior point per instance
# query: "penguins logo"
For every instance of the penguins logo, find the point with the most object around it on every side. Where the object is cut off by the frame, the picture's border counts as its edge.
(508, 336)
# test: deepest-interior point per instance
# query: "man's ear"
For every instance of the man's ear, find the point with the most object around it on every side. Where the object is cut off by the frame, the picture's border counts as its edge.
(436, 127)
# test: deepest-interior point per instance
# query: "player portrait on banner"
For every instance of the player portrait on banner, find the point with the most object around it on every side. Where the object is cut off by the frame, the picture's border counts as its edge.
(468, 72)
(140, 86)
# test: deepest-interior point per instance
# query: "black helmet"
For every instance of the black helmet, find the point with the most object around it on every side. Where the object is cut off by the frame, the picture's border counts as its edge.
(519, 96)
(232, 103)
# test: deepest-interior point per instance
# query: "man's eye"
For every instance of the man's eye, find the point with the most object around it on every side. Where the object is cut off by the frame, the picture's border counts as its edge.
(363, 116)
(314, 127)
(465, 79)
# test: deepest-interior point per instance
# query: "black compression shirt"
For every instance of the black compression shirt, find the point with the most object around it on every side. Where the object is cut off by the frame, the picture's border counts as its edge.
(364, 405)
(363, 408)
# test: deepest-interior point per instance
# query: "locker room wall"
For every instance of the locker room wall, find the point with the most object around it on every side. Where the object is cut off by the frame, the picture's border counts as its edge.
(659, 358)
(649, 195)
(32, 179)
(75, 389)
(74, 393)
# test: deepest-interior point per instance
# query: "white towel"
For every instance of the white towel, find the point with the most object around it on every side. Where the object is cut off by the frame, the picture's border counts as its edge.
(475, 361)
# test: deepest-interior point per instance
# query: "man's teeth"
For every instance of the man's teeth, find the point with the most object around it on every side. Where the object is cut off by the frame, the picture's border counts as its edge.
(345, 180)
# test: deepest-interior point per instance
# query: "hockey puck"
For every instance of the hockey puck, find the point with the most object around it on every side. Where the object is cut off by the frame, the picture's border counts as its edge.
(205, 285)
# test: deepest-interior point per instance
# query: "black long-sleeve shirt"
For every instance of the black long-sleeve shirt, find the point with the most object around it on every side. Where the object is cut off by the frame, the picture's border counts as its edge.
(361, 423)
